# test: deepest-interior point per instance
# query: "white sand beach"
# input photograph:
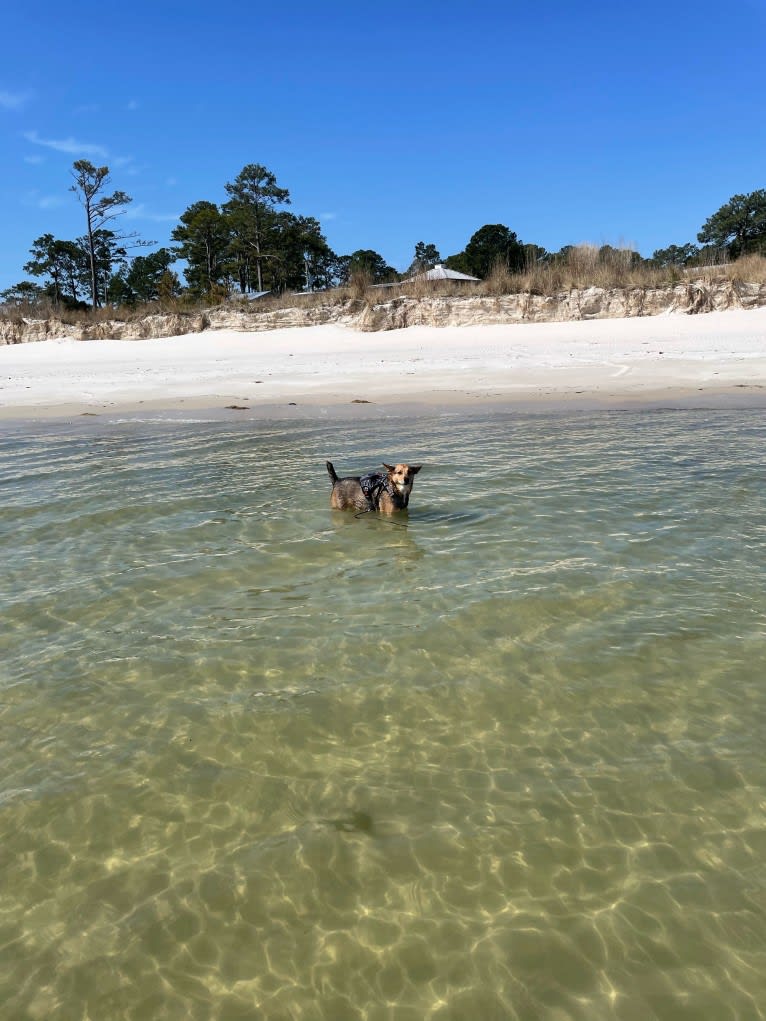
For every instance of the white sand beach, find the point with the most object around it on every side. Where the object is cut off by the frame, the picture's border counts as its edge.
(670, 359)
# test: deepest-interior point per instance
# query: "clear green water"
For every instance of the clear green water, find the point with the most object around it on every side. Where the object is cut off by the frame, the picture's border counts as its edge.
(504, 759)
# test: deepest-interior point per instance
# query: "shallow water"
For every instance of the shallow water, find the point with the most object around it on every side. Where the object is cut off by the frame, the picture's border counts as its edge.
(500, 759)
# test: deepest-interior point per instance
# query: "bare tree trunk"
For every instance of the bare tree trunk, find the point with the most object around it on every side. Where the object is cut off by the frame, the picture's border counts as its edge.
(258, 264)
(92, 257)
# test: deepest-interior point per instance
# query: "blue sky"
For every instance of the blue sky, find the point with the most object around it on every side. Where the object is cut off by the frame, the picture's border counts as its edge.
(601, 122)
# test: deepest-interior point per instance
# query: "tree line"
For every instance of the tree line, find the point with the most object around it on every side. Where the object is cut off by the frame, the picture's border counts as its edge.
(252, 244)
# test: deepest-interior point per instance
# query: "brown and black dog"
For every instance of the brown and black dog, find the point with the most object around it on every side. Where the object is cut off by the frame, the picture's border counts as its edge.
(387, 491)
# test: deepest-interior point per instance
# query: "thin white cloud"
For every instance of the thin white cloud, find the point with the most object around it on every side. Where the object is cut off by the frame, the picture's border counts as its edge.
(34, 160)
(328, 216)
(127, 165)
(140, 212)
(132, 105)
(13, 100)
(50, 202)
(67, 145)
(34, 198)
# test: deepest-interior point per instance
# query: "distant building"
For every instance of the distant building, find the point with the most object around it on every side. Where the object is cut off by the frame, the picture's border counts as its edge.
(247, 295)
(440, 272)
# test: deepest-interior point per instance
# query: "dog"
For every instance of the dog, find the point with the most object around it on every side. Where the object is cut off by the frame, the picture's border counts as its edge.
(387, 491)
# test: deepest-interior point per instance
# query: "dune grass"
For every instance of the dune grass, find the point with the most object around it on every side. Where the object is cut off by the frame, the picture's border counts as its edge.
(584, 266)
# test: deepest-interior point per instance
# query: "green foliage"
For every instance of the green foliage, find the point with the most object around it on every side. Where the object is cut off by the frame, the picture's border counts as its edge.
(713, 255)
(147, 274)
(251, 213)
(535, 255)
(426, 257)
(250, 243)
(203, 236)
(739, 226)
(459, 263)
(65, 263)
(109, 254)
(26, 292)
(586, 257)
(100, 209)
(302, 258)
(563, 254)
(675, 255)
(147, 279)
(94, 263)
(261, 247)
(257, 187)
(492, 245)
(366, 262)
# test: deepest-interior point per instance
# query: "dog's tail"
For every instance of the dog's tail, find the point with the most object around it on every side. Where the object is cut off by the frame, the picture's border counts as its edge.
(331, 472)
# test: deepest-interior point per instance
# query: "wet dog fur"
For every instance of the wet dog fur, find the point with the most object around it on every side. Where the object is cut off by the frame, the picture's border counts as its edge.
(393, 495)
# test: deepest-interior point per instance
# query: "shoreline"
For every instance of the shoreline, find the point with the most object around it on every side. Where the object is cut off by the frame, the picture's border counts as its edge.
(741, 398)
(712, 360)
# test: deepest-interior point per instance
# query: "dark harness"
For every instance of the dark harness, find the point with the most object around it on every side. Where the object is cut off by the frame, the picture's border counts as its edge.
(373, 484)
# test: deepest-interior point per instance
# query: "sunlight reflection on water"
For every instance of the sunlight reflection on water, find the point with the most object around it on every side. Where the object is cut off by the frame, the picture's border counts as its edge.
(502, 758)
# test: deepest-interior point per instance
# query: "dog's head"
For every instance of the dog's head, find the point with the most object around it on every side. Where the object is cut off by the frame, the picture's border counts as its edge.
(401, 476)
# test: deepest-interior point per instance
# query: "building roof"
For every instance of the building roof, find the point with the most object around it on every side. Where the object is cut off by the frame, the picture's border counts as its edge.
(440, 272)
(247, 295)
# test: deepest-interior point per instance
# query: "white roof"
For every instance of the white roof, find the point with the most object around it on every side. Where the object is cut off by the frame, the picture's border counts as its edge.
(248, 296)
(440, 272)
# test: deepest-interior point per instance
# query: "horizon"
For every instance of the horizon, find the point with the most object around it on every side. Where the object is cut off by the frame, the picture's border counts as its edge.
(598, 127)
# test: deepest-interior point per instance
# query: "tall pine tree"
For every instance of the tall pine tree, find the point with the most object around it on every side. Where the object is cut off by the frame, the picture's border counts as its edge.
(255, 195)
(100, 209)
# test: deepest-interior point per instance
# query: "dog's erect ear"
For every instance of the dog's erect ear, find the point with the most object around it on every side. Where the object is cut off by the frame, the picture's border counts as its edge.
(414, 468)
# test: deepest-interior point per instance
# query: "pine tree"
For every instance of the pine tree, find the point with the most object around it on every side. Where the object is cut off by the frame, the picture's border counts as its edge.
(739, 225)
(204, 240)
(254, 198)
(100, 209)
(426, 257)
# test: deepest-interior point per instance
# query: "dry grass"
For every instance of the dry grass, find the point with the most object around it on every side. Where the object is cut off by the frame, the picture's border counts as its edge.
(360, 285)
(588, 266)
(583, 266)
(288, 300)
(500, 280)
(45, 309)
(750, 269)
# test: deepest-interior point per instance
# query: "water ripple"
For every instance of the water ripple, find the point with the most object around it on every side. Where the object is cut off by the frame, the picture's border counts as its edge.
(502, 758)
